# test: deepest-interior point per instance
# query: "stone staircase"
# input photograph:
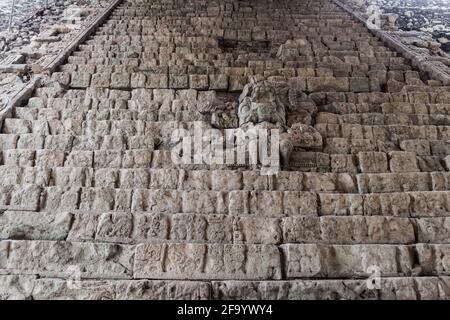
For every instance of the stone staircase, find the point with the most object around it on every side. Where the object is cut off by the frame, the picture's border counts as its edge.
(92, 206)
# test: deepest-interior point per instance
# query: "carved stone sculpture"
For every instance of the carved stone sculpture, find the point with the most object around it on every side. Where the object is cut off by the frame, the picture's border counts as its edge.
(268, 105)
(261, 102)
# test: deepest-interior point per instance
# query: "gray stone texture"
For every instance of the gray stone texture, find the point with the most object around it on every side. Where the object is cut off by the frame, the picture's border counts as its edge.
(92, 205)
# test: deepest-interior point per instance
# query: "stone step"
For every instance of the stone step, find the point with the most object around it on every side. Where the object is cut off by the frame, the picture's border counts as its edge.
(86, 113)
(268, 203)
(438, 148)
(393, 133)
(354, 260)
(391, 288)
(55, 258)
(185, 43)
(112, 152)
(384, 119)
(212, 52)
(401, 99)
(152, 111)
(121, 19)
(354, 163)
(328, 40)
(239, 31)
(68, 143)
(38, 288)
(187, 75)
(342, 261)
(439, 108)
(398, 108)
(95, 97)
(402, 182)
(136, 109)
(320, 98)
(131, 109)
(399, 204)
(123, 81)
(220, 64)
(227, 67)
(337, 136)
(77, 127)
(341, 155)
(51, 173)
(235, 31)
(242, 32)
(114, 261)
(104, 100)
(33, 194)
(116, 152)
(138, 227)
(181, 39)
(397, 161)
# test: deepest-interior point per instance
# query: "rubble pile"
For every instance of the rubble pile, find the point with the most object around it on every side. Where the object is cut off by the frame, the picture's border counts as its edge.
(32, 17)
(429, 16)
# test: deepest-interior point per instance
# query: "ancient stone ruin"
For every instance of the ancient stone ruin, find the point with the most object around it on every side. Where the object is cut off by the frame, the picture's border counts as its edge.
(102, 197)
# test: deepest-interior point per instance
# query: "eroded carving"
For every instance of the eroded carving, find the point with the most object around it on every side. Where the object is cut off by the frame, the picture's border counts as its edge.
(270, 105)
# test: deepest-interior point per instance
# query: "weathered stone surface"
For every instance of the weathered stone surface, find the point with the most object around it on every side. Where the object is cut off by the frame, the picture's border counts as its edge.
(353, 230)
(420, 147)
(341, 204)
(94, 205)
(20, 197)
(433, 258)
(158, 201)
(176, 228)
(403, 162)
(54, 259)
(434, 230)
(29, 287)
(119, 290)
(23, 225)
(312, 260)
(302, 229)
(327, 84)
(394, 182)
(16, 287)
(391, 289)
(196, 261)
(371, 162)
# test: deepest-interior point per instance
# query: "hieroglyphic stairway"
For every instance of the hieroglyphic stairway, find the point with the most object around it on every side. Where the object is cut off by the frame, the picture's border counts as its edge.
(94, 207)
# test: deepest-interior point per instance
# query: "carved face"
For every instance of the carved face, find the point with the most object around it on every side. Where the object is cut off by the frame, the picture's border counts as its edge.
(261, 104)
